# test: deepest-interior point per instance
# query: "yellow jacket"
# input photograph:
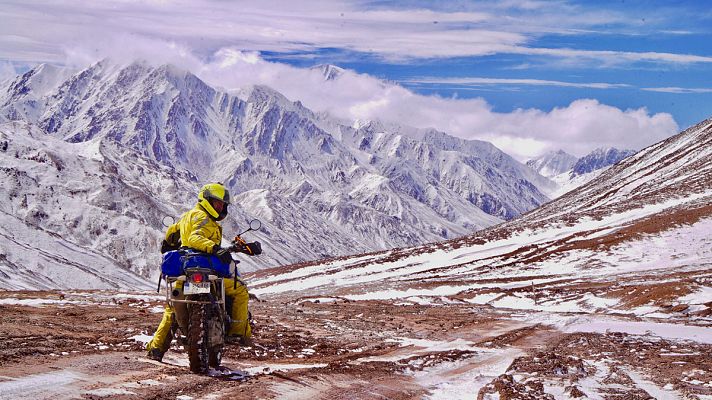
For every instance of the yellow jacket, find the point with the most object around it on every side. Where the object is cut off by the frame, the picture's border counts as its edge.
(197, 231)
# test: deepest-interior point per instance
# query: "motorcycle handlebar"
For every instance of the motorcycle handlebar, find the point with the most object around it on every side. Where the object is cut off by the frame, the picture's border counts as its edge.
(236, 248)
(253, 249)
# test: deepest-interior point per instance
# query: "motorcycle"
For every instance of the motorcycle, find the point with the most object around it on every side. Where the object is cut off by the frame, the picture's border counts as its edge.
(196, 292)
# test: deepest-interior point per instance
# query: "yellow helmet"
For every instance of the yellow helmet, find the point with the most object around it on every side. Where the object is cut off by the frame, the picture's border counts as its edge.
(211, 192)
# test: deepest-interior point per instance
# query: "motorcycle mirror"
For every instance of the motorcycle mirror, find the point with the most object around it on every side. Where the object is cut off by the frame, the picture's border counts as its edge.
(168, 221)
(255, 224)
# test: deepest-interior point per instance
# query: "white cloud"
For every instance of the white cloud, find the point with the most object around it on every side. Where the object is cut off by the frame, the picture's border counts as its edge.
(577, 128)
(42, 30)
(281, 26)
(679, 90)
(7, 70)
(612, 57)
(474, 81)
(678, 32)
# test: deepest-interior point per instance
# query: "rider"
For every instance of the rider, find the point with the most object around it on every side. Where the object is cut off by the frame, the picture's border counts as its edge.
(198, 229)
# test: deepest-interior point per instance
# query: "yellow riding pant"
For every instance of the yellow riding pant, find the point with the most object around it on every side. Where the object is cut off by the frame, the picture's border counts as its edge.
(240, 325)
(240, 322)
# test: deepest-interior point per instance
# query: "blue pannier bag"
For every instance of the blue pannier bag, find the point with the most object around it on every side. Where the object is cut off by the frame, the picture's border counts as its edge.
(172, 264)
(192, 259)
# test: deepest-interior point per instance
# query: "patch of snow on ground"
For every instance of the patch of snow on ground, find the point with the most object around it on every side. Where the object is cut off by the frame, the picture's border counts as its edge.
(410, 293)
(586, 304)
(142, 338)
(483, 298)
(142, 297)
(37, 386)
(654, 390)
(700, 296)
(463, 379)
(591, 385)
(685, 245)
(36, 302)
(269, 368)
(109, 392)
(180, 360)
(603, 324)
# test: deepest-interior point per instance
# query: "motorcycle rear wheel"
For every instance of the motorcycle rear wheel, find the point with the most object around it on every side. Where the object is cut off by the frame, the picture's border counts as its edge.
(197, 339)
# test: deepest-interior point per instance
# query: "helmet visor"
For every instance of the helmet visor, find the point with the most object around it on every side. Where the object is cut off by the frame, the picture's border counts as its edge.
(218, 205)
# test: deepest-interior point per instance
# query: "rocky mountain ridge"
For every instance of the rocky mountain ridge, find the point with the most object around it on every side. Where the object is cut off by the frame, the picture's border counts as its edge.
(599, 158)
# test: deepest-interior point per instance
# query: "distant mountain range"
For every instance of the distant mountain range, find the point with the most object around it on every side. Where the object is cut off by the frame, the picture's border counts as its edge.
(553, 163)
(95, 158)
(570, 172)
(558, 162)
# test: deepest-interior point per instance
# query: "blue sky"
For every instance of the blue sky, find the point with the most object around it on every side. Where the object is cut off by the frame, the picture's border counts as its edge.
(528, 75)
(683, 89)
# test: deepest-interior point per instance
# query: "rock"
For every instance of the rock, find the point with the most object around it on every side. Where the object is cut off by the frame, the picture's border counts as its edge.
(575, 392)
(680, 308)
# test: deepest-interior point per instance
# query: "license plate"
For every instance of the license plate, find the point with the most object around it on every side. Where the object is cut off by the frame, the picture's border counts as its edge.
(196, 288)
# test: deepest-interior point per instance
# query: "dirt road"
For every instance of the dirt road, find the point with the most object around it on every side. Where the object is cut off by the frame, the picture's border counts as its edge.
(89, 345)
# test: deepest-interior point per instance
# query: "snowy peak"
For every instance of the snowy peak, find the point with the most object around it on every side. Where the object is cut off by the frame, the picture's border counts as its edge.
(39, 80)
(552, 163)
(568, 172)
(330, 72)
(673, 171)
(600, 158)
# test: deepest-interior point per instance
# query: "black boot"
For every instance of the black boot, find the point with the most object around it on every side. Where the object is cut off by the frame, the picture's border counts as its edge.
(155, 355)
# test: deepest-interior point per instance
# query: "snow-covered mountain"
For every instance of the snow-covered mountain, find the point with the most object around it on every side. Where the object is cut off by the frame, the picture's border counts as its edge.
(329, 71)
(553, 163)
(95, 158)
(568, 172)
(599, 158)
(643, 220)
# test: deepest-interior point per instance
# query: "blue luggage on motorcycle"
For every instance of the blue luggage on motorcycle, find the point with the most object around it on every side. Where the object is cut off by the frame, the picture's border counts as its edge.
(203, 260)
(172, 264)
